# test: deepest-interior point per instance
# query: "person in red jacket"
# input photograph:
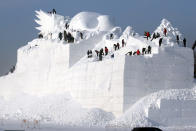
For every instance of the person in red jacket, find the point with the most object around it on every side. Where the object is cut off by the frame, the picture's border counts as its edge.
(147, 35)
(165, 31)
(106, 50)
(138, 52)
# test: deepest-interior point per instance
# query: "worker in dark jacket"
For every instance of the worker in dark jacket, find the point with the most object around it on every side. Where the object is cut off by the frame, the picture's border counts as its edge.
(115, 47)
(149, 49)
(194, 45)
(160, 41)
(81, 35)
(40, 36)
(143, 51)
(123, 43)
(60, 36)
(101, 54)
(53, 11)
(118, 46)
(154, 36)
(177, 39)
(97, 52)
(184, 42)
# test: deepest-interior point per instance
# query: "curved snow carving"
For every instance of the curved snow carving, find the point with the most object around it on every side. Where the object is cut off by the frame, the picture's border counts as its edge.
(91, 21)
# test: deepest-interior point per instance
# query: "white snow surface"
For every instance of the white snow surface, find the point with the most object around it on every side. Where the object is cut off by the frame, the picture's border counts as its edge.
(40, 88)
(91, 21)
(171, 31)
(137, 115)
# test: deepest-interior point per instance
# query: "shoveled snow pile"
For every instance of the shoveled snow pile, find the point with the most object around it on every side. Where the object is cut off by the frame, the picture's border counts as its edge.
(137, 115)
(58, 109)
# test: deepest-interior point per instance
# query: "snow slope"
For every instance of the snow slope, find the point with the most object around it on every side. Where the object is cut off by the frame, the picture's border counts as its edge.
(55, 83)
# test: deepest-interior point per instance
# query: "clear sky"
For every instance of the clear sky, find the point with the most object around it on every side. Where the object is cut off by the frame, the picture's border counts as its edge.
(17, 18)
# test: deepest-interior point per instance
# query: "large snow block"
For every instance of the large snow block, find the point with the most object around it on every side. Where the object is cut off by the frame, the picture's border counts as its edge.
(172, 68)
(174, 113)
(99, 84)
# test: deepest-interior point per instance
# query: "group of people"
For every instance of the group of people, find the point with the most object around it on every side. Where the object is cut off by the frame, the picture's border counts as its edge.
(117, 46)
(67, 37)
(100, 53)
(144, 51)
(157, 35)
(52, 12)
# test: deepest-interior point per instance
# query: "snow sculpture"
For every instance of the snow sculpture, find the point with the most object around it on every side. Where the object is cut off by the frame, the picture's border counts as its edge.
(50, 24)
(171, 31)
(91, 21)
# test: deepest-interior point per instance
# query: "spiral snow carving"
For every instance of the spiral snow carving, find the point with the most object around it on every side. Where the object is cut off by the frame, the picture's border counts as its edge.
(91, 21)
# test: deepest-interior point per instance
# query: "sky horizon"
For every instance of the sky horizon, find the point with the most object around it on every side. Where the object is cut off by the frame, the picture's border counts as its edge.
(17, 25)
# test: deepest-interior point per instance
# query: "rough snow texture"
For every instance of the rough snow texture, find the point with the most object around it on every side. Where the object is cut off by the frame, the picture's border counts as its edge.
(171, 32)
(50, 23)
(48, 68)
(163, 71)
(152, 110)
(174, 113)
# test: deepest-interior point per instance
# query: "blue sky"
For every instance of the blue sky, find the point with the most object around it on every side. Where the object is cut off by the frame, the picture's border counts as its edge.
(17, 18)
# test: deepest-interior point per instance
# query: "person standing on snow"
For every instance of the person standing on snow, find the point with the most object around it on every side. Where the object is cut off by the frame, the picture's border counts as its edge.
(100, 54)
(158, 35)
(111, 36)
(123, 43)
(193, 47)
(65, 35)
(177, 39)
(53, 11)
(106, 50)
(115, 47)
(88, 52)
(138, 52)
(149, 49)
(143, 51)
(160, 41)
(147, 35)
(97, 52)
(66, 25)
(184, 42)
(40, 36)
(81, 35)
(154, 36)
(118, 46)
(165, 31)
(60, 36)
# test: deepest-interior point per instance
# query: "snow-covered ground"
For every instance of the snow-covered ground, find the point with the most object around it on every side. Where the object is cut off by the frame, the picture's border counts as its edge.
(56, 87)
